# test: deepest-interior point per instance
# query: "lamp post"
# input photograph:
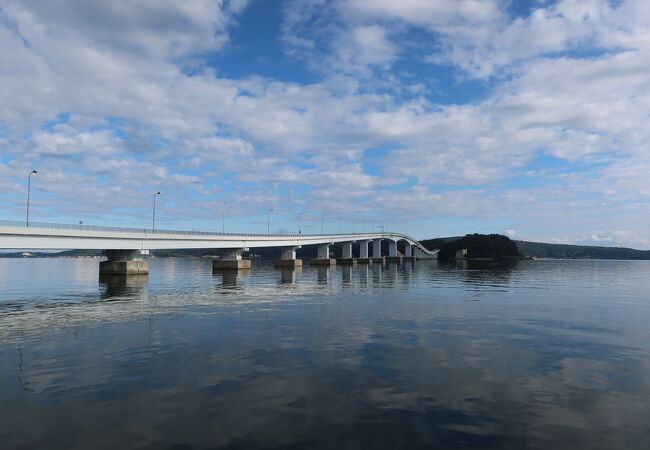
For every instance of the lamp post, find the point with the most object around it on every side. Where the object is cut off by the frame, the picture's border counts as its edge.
(29, 187)
(223, 217)
(268, 221)
(299, 225)
(153, 216)
(322, 224)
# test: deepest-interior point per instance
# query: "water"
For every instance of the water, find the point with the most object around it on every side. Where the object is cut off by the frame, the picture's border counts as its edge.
(533, 355)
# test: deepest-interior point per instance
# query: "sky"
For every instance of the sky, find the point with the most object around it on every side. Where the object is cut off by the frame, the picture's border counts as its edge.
(430, 117)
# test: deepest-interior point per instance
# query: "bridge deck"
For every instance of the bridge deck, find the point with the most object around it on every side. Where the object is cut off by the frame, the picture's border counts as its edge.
(52, 236)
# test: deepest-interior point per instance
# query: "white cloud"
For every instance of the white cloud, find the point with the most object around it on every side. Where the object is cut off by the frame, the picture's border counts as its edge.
(370, 45)
(428, 13)
(148, 28)
(138, 119)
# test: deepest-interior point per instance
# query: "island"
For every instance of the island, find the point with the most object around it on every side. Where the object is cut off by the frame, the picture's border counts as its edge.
(476, 247)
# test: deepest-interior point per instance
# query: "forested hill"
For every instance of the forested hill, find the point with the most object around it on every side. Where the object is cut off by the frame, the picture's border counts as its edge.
(562, 251)
(542, 250)
(476, 246)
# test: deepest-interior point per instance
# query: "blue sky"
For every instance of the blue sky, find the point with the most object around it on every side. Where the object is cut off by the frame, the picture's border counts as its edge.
(431, 117)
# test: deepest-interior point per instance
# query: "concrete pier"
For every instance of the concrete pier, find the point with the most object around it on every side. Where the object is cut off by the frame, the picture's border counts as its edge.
(323, 262)
(124, 262)
(288, 263)
(346, 257)
(376, 248)
(232, 260)
(346, 261)
(363, 253)
(376, 251)
(392, 248)
(323, 258)
(288, 258)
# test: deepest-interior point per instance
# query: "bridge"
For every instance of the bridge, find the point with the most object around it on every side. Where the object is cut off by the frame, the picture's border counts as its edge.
(124, 247)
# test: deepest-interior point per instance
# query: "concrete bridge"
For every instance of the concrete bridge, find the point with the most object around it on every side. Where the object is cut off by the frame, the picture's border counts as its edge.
(124, 247)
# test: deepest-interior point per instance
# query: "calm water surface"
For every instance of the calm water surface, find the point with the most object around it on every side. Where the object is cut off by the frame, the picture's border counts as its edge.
(535, 355)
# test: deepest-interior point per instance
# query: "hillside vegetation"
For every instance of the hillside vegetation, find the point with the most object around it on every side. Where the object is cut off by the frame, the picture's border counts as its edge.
(482, 246)
(559, 251)
(542, 250)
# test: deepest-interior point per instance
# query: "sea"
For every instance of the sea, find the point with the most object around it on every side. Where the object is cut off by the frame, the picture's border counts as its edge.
(535, 354)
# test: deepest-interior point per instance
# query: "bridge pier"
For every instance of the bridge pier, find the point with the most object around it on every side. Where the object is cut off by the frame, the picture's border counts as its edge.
(408, 252)
(376, 251)
(323, 256)
(346, 254)
(392, 252)
(124, 262)
(231, 260)
(363, 253)
(288, 257)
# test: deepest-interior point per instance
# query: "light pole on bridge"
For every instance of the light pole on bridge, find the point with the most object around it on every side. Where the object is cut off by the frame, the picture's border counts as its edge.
(29, 186)
(153, 215)
(223, 217)
(268, 221)
(322, 224)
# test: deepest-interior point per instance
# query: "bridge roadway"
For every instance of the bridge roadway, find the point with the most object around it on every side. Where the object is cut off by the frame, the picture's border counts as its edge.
(124, 246)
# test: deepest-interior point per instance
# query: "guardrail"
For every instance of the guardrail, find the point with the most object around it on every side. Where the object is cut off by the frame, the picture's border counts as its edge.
(149, 231)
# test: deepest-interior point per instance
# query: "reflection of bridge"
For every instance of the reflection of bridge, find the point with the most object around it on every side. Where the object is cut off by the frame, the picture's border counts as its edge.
(124, 246)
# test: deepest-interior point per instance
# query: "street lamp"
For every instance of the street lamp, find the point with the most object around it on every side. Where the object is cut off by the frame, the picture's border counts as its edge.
(268, 221)
(299, 225)
(29, 186)
(322, 222)
(223, 218)
(153, 217)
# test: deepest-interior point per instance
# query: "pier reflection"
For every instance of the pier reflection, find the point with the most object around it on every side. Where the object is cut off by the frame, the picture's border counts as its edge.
(113, 286)
(363, 275)
(346, 275)
(376, 273)
(322, 275)
(232, 279)
(288, 275)
(392, 273)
